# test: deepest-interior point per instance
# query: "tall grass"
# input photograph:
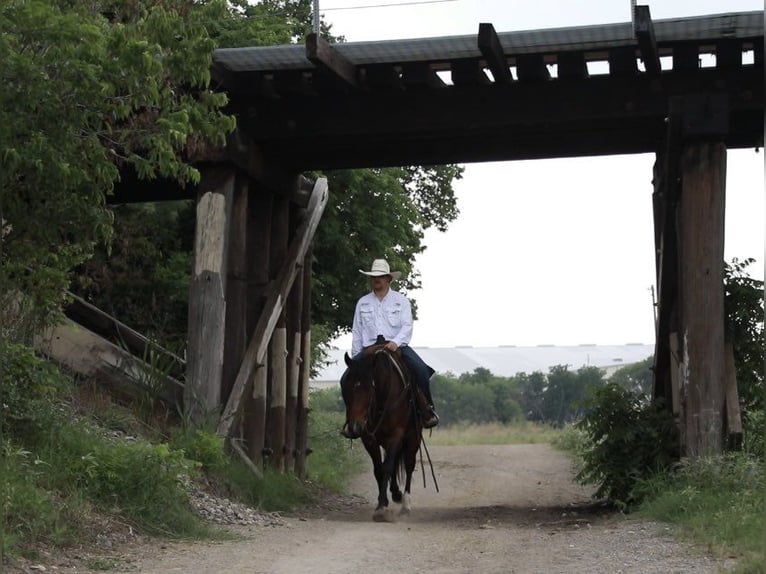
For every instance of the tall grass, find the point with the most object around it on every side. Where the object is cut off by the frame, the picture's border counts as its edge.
(718, 501)
(523, 432)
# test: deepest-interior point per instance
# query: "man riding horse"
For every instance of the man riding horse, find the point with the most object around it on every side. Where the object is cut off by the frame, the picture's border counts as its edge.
(386, 315)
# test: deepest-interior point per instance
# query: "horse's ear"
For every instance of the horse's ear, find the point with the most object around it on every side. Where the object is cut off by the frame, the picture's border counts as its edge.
(347, 359)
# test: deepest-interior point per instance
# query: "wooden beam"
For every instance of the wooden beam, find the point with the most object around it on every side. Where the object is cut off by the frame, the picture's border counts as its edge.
(277, 350)
(701, 295)
(420, 75)
(467, 72)
(111, 329)
(301, 433)
(383, 77)
(622, 62)
(207, 305)
(258, 344)
(260, 205)
(329, 61)
(647, 44)
(236, 287)
(571, 66)
(728, 55)
(492, 50)
(686, 57)
(531, 68)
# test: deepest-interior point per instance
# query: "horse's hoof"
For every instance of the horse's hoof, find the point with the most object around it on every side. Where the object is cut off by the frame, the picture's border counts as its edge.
(404, 511)
(383, 515)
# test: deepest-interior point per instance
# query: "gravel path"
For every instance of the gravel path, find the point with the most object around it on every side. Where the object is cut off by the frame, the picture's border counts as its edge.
(500, 509)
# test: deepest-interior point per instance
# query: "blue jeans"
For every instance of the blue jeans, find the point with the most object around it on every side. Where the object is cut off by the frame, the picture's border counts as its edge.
(419, 371)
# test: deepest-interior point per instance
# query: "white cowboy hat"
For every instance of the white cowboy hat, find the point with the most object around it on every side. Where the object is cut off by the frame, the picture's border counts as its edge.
(380, 268)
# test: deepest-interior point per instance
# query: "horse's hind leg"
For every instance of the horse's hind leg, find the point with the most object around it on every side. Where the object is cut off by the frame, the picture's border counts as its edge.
(410, 459)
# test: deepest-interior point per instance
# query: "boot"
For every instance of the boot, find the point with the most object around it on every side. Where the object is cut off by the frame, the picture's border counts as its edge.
(430, 418)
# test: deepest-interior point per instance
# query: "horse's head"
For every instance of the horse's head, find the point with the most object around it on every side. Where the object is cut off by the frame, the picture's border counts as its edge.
(359, 392)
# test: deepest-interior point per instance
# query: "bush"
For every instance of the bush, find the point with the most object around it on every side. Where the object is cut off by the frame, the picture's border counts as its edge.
(628, 440)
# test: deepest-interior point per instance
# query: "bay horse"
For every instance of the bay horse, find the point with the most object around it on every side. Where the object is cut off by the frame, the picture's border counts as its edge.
(380, 408)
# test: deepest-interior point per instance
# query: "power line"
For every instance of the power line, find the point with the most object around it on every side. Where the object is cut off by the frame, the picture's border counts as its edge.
(391, 5)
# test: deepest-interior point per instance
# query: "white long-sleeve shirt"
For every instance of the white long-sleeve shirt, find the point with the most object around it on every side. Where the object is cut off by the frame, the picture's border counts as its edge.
(390, 317)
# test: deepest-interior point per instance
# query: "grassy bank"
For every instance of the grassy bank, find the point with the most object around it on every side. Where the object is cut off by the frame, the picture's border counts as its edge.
(717, 502)
(73, 463)
(523, 432)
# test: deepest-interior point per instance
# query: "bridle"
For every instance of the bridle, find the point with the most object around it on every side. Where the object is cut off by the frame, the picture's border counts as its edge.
(389, 407)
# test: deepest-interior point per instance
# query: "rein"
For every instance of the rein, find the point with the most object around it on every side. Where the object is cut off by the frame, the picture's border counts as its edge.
(390, 407)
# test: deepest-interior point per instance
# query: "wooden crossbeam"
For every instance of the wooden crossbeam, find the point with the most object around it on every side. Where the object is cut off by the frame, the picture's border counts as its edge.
(647, 44)
(728, 55)
(622, 62)
(329, 60)
(468, 73)
(492, 50)
(531, 68)
(686, 57)
(572, 66)
(259, 342)
(382, 77)
(420, 75)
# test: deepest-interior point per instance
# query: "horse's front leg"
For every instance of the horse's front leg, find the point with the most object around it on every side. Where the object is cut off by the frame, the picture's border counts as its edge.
(379, 471)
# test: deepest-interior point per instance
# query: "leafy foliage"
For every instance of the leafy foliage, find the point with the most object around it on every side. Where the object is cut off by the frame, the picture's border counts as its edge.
(83, 98)
(627, 440)
(744, 328)
(374, 213)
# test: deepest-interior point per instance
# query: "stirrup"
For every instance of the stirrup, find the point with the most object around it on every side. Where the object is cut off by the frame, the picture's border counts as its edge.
(430, 419)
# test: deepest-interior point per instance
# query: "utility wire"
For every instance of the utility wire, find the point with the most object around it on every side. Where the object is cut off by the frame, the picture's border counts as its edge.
(391, 5)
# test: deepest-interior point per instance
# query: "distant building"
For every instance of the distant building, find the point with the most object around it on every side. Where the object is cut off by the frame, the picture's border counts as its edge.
(507, 361)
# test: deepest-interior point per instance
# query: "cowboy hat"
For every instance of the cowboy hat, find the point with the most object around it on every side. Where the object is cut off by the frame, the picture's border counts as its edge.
(380, 268)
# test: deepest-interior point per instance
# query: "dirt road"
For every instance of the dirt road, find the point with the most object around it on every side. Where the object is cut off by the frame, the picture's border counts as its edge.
(500, 509)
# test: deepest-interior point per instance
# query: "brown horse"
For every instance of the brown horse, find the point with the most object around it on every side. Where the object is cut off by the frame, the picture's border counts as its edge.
(381, 410)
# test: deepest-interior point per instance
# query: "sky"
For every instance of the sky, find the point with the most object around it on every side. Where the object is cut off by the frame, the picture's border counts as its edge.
(558, 251)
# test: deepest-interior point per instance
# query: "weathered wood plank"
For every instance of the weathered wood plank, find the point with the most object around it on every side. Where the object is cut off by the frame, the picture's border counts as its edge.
(258, 249)
(301, 433)
(329, 61)
(273, 307)
(93, 357)
(701, 206)
(531, 68)
(468, 73)
(492, 50)
(207, 305)
(647, 44)
(294, 358)
(275, 429)
(235, 334)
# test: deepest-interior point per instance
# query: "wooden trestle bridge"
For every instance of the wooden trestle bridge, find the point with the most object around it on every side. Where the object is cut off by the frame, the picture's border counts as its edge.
(638, 87)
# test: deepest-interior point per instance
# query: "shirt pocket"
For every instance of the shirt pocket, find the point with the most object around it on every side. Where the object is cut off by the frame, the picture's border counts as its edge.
(366, 315)
(394, 315)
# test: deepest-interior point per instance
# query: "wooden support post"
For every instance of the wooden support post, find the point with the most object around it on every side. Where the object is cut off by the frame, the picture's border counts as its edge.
(301, 432)
(258, 240)
(236, 288)
(275, 433)
(256, 348)
(207, 304)
(294, 354)
(701, 240)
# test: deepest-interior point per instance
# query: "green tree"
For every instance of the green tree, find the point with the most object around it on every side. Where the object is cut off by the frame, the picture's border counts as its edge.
(636, 378)
(375, 213)
(743, 303)
(88, 91)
